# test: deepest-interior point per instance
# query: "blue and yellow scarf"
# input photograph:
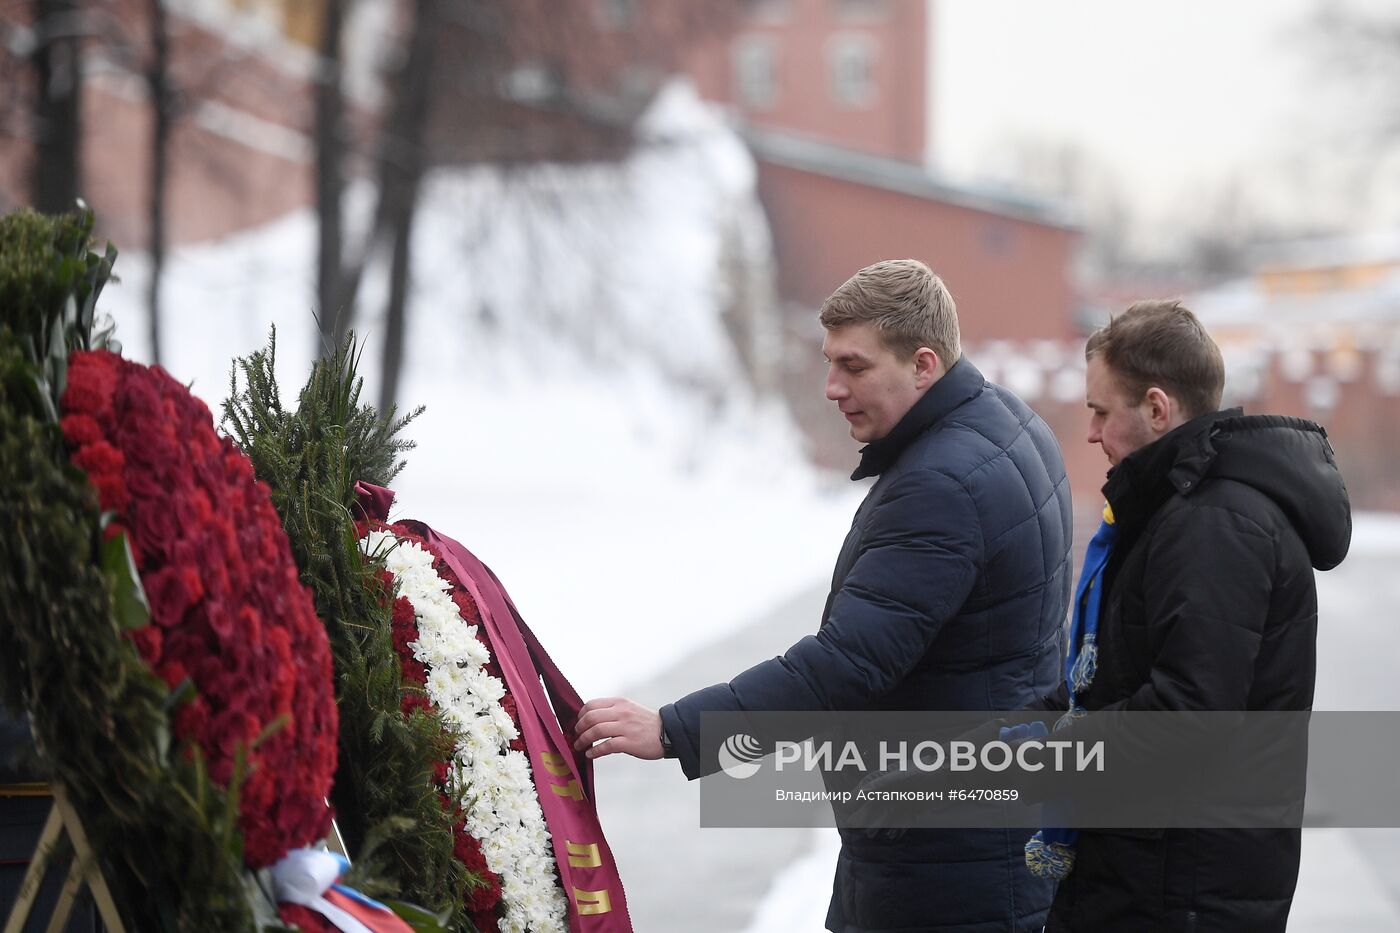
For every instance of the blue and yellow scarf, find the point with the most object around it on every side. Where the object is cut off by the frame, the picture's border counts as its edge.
(1050, 852)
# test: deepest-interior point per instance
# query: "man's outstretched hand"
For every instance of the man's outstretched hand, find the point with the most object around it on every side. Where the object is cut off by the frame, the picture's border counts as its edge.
(616, 724)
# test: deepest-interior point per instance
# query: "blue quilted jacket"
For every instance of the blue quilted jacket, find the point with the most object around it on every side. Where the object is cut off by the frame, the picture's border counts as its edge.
(949, 594)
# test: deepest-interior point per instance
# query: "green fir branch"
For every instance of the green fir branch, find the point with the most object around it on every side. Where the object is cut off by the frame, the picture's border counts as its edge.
(389, 812)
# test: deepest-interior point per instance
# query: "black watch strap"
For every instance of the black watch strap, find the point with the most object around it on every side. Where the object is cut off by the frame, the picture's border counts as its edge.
(668, 750)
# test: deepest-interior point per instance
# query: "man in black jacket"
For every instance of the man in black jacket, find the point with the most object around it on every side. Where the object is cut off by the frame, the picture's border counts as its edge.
(949, 594)
(1208, 603)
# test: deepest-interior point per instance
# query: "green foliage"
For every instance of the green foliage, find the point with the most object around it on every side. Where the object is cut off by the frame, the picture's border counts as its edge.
(387, 807)
(422, 921)
(49, 284)
(166, 834)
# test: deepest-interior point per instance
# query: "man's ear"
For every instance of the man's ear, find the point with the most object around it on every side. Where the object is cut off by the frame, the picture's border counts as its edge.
(927, 368)
(1163, 413)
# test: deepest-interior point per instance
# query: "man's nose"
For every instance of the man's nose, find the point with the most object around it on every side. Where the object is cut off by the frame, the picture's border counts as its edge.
(835, 390)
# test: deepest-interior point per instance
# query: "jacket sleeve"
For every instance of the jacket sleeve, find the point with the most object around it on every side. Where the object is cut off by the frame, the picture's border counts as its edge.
(1056, 701)
(919, 558)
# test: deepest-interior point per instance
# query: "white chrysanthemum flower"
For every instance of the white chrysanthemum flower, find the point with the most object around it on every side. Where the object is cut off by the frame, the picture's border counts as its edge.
(494, 785)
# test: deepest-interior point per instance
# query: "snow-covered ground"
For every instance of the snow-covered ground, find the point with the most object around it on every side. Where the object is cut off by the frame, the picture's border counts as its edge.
(589, 432)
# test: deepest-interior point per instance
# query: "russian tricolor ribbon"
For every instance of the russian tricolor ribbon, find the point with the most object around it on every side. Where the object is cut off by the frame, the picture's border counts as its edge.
(307, 877)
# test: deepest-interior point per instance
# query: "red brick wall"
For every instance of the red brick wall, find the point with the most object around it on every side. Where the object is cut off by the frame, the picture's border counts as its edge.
(239, 153)
(1363, 424)
(1010, 277)
(217, 186)
(892, 124)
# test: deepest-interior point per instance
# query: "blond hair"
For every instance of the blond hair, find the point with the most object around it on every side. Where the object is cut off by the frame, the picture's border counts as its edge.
(906, 303)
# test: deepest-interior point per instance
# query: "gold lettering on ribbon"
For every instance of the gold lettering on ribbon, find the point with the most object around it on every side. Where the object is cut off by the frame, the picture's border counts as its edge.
(583, 855)
(592, 902)
(572, 790)
(554, 764)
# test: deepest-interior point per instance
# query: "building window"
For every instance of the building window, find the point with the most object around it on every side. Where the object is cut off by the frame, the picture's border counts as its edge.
(756, 72)
(767, 11)
(530, 83)
(614, 15)
(851, 66)
(862, 9)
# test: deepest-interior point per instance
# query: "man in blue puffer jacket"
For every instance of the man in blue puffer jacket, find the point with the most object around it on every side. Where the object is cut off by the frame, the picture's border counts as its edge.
(949, 594)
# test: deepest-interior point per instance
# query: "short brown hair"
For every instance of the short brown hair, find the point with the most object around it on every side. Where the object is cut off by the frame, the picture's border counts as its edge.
(908, 305)
(1162, 344)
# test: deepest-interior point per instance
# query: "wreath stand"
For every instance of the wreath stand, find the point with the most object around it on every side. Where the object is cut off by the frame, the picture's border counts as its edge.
(63, 820)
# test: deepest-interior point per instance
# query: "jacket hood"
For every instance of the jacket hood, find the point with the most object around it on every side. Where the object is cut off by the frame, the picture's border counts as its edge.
(1287, 459)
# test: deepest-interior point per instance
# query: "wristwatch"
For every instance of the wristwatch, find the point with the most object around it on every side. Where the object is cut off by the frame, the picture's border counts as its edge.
(667, 749)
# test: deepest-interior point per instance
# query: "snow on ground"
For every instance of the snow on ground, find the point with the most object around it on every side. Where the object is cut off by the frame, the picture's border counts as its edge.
(589, 432)
(798, 900)
(1337, 889)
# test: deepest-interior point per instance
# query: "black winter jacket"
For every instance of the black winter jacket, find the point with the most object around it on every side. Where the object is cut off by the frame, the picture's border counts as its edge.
(949, 594)
(1211, 605)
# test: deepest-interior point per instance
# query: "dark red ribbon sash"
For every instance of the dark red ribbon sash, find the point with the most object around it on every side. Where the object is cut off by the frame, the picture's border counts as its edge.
(563, 778)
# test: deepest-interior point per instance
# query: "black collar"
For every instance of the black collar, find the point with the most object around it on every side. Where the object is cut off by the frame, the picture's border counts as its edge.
(958, 385)
(1175, 463)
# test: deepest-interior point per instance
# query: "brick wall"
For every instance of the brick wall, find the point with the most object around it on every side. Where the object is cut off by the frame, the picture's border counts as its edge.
(1355, 398)
(802, 35)
(1010, 277)
(240, 150)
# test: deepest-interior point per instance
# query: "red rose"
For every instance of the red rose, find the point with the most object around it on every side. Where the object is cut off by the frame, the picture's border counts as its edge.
(169, 593)
(91, 381)
(192, 719)
(304, 919)
(80, 429)
(111, 491)
(148, 640)
(229, 610)
(99, 457)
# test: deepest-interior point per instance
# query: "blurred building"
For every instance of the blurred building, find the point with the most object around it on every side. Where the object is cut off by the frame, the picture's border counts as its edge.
(240, 147)
(836, 100)
(518, 81)
(854, 73)
(1313, 332)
